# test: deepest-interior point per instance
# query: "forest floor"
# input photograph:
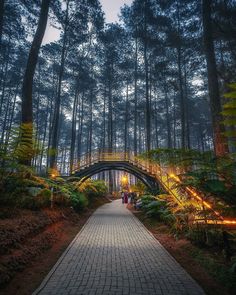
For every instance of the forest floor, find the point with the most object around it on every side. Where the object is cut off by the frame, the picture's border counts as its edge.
(31, 242)
(185, 253)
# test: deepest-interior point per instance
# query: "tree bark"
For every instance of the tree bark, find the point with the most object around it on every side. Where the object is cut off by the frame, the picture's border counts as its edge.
(81, 127)
(110, 117)
(55, 132)
(27, 89)
(90, 133)
(135, 97)
(168, 123)
(181, 91)
(148, 115)
(220, 142)
(126, 118)
(73, 131)
(2, 8)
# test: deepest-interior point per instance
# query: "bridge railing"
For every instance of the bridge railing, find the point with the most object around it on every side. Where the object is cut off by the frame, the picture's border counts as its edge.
(161, 173)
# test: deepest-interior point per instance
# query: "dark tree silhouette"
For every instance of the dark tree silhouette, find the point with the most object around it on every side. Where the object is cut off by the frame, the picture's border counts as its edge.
(220, 144)
(2, 6)
(27, 104)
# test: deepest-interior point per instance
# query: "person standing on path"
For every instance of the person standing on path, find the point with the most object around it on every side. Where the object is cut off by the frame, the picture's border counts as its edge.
(126, 198)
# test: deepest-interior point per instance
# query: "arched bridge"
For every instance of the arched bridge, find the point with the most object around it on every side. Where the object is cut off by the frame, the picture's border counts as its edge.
(152, 174)
(102, 161)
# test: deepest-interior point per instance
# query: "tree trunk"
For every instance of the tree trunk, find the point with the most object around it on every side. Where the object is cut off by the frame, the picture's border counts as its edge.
(104, 123)
(55, 132)
(90, 137)
(47, 122)
(187, 131)
(51, 109)
(126, 118)
(148, 115)
(181, 91)
(2, 7)
(27, 104)
(110, 118)
(5, 72)
(73, 131)
(11, 117)
(168, 123)
(81, 126)
(135, 96)
(220, 142)
(156, 126)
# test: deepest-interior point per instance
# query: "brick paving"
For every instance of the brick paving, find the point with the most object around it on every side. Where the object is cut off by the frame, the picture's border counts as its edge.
(115, 254)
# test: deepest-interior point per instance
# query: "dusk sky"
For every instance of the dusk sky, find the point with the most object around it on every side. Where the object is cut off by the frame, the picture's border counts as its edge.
(111, 9)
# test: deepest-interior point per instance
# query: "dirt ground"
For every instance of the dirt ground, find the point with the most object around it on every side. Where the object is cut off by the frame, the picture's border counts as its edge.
(32, 242)
(180, 250)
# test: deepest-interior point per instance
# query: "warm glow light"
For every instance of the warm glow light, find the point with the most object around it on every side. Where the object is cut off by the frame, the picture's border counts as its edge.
(53, 175)
(222, 222)
(196, 196)
(225, 221)
(124, 178)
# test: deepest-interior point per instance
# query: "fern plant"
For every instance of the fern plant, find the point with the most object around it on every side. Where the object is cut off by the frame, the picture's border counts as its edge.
(229, 114)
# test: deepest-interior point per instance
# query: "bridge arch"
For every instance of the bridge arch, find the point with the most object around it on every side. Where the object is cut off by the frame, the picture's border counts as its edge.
(141, 174)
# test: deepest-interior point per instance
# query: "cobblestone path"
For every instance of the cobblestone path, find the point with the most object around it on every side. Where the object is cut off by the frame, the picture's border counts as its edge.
(115, 254)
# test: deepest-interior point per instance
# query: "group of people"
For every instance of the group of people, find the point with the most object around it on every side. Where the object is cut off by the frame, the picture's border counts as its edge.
(128, 197)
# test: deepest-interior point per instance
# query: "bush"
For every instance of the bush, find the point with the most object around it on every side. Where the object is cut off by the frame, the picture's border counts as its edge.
(25, 190)
(93, 188)
(203, 236)
(147, 199)
(158, 209)
(43, 199)
(79, 201)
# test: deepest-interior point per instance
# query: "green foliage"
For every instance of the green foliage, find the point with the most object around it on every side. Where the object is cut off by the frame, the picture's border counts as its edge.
(42, 200)
(23, 189)
(181, 158)
(214, 177)
(218, 270)
(79, 201)
(139, 188)
(21, 147)
(203, 236)
(159, 210)
(163, 208)
(155, 207)
(93, 188)
(229, 113)
(147, 199)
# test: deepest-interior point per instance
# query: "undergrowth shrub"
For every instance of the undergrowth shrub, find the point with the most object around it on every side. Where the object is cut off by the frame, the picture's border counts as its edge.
(79, 201)
(93, 188)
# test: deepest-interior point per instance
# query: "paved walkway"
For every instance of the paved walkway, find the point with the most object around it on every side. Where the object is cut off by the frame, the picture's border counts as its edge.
(115, 254)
